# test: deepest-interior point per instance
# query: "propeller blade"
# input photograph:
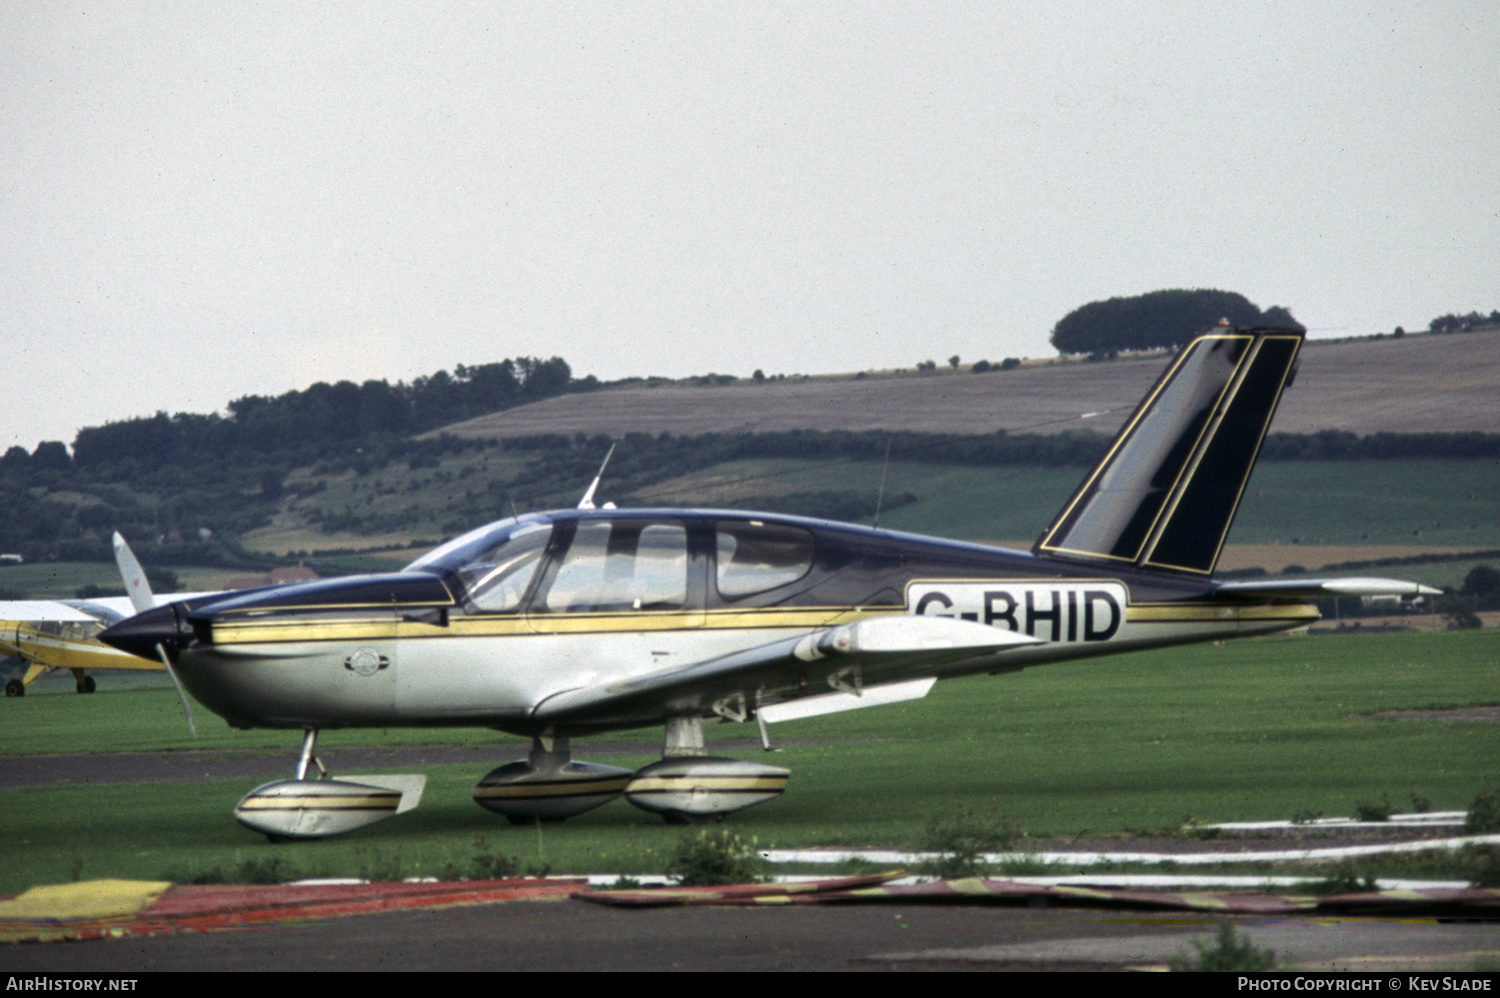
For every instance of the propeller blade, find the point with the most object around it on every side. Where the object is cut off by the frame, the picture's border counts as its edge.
(181, 694)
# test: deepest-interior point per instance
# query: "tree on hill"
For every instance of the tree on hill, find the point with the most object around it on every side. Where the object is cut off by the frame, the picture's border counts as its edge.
(1157, 319)
(320, 416)
(1455, 323)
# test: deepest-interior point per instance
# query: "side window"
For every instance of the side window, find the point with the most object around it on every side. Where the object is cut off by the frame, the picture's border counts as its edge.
(621, 565)
(754, 556)
(496, 580)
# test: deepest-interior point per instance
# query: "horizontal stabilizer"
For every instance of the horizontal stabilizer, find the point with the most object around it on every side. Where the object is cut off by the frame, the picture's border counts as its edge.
(1325, 588)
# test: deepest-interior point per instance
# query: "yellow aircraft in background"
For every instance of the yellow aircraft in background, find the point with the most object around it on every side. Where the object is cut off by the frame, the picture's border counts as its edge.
(47, 635)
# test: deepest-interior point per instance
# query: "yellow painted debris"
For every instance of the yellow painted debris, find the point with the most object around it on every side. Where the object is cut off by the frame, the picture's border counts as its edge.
(87, 899)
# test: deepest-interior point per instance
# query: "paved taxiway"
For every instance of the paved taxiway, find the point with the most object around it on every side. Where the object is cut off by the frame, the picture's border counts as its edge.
(573, 935)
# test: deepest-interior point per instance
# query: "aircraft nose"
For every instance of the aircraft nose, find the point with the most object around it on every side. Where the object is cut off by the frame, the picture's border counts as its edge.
(139, 635)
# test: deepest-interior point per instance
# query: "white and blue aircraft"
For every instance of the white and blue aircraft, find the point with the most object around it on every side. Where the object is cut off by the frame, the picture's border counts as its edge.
(565, 624)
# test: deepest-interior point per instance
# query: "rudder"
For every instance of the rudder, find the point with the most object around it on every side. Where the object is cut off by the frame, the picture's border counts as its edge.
(1167, 489)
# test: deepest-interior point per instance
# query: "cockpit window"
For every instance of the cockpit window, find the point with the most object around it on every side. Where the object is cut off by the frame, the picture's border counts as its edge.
(754, 556)
(621, 565)
(495, 563)
(497, 580)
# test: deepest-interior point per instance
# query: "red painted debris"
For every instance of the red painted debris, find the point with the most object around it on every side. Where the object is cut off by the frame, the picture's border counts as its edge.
(205, 908)
(732, 893)
(1006, 891)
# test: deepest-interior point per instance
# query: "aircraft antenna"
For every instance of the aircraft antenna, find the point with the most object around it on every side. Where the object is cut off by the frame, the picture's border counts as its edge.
(880, 497)
(587, 502)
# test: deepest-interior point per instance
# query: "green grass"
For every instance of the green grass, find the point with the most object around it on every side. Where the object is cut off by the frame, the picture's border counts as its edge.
(1425, 502)
(1249, 730)
(1437, 502)
(63, 579)
(1429, 502)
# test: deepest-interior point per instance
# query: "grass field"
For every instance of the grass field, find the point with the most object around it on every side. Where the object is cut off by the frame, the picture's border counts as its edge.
(1358, 503)
(63, 579)
(1249, 730)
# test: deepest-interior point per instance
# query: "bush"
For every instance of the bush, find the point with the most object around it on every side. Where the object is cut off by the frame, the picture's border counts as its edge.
(716, 856)
(1464, 620)
(1369, 810)
(484, 864)
(256, 870)
(1484, 813)
(1230, 952)
(1344, 879)
(961, 843)
(1480, 865)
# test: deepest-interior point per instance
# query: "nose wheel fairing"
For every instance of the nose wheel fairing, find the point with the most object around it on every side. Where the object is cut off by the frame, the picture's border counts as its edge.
(314, 809)
(301, 808)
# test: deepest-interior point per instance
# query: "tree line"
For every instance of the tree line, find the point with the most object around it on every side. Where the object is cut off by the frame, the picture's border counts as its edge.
(1455, 323)
(323, 416)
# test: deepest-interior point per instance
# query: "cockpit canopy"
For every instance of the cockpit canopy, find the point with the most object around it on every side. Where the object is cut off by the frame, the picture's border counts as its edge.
(623, 562)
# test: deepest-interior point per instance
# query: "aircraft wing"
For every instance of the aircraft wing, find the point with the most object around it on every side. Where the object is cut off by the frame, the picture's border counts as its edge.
(866, 653)
(30, 610)
(106, 609)
(1324, 588)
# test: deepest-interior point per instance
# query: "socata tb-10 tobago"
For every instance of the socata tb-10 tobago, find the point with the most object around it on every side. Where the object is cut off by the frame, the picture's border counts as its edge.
(564, 624)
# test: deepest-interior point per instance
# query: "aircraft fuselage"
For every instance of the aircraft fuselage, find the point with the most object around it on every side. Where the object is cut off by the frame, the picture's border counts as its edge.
(433, 646)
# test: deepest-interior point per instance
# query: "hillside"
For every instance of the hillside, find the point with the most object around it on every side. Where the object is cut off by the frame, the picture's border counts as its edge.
(240, 507)
(1419, 383)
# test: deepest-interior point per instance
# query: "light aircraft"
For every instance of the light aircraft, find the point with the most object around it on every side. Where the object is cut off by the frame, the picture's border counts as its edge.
(565, 624)
(46, 635)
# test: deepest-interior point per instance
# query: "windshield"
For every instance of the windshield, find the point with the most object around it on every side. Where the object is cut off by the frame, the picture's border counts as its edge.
(497, 579)
(495, 563)
(453, 555)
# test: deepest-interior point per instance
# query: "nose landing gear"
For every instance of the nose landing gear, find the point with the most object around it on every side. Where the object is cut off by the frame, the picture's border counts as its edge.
(299, 808)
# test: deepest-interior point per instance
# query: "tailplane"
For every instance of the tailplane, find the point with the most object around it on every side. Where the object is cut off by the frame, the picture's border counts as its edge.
(1167, 489)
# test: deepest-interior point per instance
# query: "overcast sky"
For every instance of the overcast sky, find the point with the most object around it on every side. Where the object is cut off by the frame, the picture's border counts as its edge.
(204, 201)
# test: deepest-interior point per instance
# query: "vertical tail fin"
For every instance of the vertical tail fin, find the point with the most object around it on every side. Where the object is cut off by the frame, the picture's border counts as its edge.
(1167, 489)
